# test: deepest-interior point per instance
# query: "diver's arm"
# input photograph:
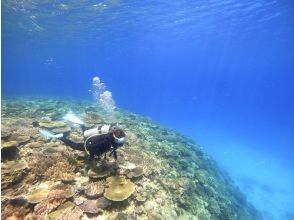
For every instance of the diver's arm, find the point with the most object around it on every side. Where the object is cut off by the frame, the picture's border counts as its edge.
(72, 144)
(114, 152)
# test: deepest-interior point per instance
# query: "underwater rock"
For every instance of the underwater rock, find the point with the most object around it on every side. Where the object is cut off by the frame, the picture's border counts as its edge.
(119, 188)
(94, 190)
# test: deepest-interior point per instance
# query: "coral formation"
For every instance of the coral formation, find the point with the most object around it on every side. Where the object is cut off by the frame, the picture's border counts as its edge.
(9, 144)
(69, 212)
(54, 167)
(119, 188)
(90, 206)
(98, 172)
(61, 170)
(38, 193)
(94, 189)
(159, 174)
(137, 172)
(66, 211)
(51, 124)
(103, 203)
(15, 209)
(13, 172)
(55, 197)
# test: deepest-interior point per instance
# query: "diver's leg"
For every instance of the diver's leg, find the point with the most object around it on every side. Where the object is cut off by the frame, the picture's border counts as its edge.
(72, 144)
(90, 161)
(115, 155)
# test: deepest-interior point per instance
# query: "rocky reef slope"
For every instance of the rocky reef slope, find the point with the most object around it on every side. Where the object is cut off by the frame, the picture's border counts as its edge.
(160, 174)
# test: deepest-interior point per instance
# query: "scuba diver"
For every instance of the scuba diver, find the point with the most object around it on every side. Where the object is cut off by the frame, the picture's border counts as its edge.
(97, 141)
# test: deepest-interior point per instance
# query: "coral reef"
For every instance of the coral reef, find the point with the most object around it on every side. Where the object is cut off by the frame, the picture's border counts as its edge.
(119, 188)
(39, 193)
(94, 189)
(51, 124)
(15, 209)
(137, 172)
(13, 172)
(66, 211)
(53, 167)
(90, 206)
(159, 174)
(65, 207)
(98, 172)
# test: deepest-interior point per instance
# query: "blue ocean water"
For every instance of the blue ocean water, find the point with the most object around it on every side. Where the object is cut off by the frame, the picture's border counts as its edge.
(219, 71)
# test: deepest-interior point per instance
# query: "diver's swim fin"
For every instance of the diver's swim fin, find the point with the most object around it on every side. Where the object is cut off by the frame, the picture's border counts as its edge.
(48, 134)
(72, 118)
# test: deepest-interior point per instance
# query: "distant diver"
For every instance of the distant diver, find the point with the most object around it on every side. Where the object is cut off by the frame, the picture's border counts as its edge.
(97, 141)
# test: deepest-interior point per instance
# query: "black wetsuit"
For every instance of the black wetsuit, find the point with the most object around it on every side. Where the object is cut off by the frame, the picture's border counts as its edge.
(95, 145)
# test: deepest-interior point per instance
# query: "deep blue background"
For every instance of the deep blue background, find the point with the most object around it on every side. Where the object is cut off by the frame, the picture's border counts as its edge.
(219, 71)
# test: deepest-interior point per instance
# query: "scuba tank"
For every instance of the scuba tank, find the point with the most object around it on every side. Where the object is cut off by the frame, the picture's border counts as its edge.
(104, 129)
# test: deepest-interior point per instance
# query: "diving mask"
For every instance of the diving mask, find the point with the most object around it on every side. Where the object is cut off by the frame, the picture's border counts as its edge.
(121, 140)
(119, 136)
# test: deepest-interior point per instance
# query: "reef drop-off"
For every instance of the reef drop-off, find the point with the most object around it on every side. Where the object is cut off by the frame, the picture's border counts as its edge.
(159, 174)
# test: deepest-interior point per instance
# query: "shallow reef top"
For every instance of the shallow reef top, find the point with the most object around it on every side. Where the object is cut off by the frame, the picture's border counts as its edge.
(159, 174)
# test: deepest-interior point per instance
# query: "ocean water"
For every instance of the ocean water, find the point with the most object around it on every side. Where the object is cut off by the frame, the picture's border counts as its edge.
(220, 72)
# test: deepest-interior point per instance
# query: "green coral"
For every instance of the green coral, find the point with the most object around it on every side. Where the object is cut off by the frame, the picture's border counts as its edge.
(119, 188)
(52, 124)
(9, 144)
